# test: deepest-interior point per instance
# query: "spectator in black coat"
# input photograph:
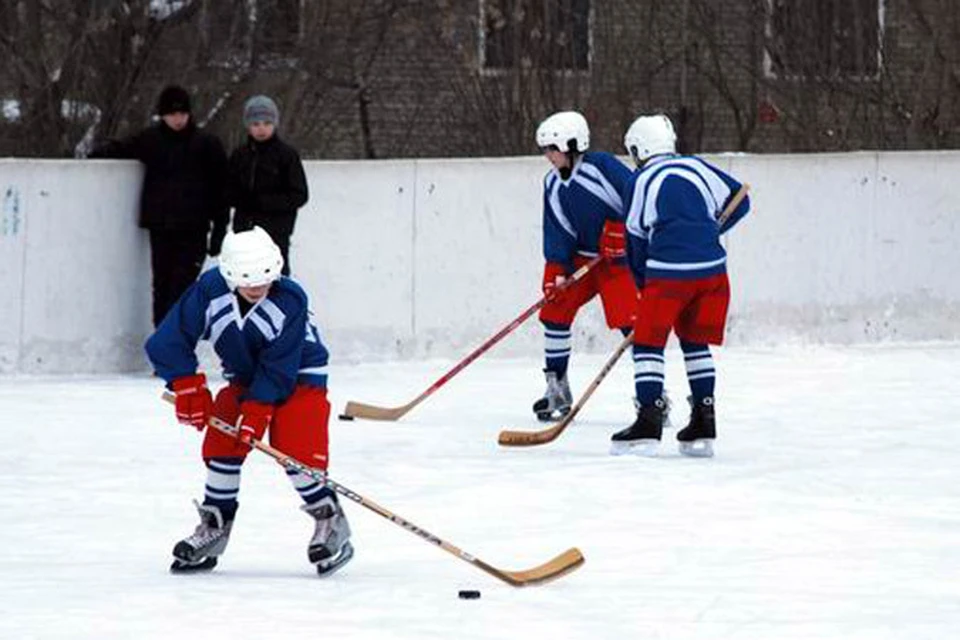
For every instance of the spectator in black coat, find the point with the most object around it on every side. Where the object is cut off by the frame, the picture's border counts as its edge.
(182, 199)
(265, 180)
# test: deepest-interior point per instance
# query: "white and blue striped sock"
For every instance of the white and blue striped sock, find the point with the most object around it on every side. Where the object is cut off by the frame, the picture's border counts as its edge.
(701, 373)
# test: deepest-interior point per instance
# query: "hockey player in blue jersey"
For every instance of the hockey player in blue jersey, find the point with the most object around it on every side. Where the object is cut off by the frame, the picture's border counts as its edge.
(258, 322)
(673, 204)
(583, 216)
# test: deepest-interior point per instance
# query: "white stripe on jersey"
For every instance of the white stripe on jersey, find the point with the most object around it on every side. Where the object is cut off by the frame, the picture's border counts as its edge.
(260, 323)
(684, 266)
(276, 315)
(557, 208)
(219, 326)
(215, 306)
(313, 371)
(603, 191)
(643, 214)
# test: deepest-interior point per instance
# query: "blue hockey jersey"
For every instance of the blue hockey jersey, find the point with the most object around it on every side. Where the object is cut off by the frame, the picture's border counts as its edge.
(575, 209)
(268, 350)
(672, 205)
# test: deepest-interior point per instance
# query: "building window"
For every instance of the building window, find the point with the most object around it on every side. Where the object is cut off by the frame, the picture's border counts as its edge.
(824, 39)
(541, 34)
(265, 32)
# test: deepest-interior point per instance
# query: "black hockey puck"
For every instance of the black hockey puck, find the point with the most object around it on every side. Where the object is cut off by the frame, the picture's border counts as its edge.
(344, 416)
(468, 594)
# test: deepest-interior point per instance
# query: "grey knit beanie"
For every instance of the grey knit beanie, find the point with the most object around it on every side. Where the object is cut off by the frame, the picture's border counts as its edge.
(260, 109)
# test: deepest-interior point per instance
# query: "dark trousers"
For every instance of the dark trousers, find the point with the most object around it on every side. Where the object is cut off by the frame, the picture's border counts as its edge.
(284, 244)
(176, 257)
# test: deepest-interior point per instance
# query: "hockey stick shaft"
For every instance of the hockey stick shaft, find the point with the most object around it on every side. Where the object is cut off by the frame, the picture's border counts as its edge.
(508, 438)
(373, 412)
(550, 570)
(733, 204)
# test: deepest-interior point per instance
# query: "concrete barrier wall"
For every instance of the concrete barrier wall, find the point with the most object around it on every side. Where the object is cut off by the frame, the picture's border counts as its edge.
(430, 257)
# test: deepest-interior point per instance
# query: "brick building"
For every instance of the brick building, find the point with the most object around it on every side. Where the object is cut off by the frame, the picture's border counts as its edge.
(440, 78)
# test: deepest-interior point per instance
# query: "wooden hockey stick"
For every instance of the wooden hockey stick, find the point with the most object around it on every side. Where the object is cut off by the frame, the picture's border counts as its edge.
(508, 438)
(733, 204)
(373, 412)
(562, 564)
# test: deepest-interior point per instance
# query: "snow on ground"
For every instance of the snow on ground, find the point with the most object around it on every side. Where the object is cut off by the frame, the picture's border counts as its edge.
(832, 509)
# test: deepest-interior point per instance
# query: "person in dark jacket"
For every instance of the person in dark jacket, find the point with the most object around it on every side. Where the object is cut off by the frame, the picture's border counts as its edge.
(265, 180)
(182, 200)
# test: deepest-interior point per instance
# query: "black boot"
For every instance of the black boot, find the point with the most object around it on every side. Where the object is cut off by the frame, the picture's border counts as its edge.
(643, 436)
(696, 439)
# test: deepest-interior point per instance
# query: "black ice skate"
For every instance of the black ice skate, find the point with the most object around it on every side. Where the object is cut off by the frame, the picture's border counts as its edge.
(556, 400)
(643, 436)
(696, 439)
(329, 548)
(199, 551)
(667, 406)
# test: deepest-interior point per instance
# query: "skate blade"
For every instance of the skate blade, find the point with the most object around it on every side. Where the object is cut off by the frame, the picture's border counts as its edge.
(697, 448)
(328, 567)
(644, 448)
(180, 566)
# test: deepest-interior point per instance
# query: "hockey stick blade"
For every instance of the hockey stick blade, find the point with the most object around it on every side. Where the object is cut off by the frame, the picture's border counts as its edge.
(511, 438)
(372, 412)
(568, 561)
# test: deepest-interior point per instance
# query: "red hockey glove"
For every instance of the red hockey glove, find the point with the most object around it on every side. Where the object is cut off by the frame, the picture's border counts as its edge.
(554, 275)
(253, 421)
(194, 402)
(613, 242)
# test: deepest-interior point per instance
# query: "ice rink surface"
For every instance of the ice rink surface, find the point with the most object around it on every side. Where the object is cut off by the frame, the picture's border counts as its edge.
(832, 509)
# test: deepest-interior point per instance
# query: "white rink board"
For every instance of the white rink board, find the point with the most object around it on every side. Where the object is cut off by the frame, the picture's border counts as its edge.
(81, 299)
(413, 258)
(351, 248)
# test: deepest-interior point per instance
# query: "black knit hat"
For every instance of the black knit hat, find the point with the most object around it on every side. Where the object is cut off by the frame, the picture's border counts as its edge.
(173, 99)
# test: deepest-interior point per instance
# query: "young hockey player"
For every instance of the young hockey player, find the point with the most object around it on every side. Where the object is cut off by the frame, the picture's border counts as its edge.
(258, 322)
(583, 216)
(673, 203)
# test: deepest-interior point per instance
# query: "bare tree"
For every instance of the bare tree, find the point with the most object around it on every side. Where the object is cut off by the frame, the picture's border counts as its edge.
(74, 65)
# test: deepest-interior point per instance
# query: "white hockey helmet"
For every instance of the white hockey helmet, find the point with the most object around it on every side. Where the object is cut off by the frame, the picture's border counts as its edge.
(649, 136)
(566, 130)
(250, 259)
